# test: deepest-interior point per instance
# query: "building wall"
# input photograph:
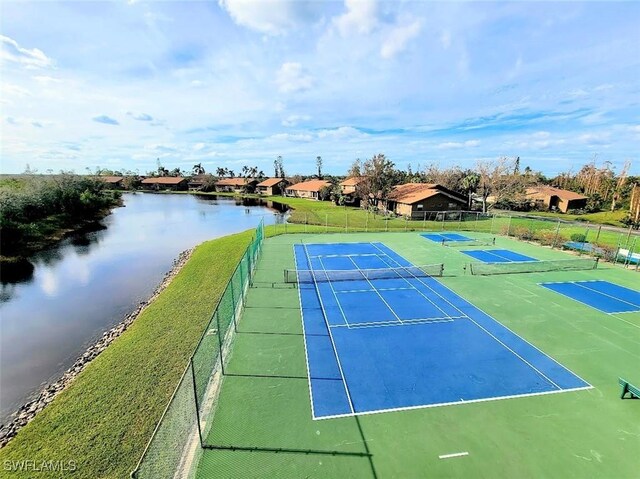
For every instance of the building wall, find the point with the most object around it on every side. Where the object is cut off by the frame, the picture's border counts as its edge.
(303, 194)
(434, 203)
(348, 189)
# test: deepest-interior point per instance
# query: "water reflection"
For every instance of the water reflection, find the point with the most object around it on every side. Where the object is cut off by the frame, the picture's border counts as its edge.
(62, 299)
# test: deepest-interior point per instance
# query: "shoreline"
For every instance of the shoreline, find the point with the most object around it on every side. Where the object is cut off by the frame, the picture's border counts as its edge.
(25, 413)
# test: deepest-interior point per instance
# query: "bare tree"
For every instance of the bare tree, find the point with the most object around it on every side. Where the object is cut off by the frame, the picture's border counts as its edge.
(319, 166)
(355, 170)
(497, 180)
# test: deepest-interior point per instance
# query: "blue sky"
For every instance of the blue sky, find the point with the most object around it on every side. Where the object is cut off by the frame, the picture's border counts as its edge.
(235, 82)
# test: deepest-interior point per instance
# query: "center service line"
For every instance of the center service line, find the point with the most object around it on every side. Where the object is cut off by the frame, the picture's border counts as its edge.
(455, 454)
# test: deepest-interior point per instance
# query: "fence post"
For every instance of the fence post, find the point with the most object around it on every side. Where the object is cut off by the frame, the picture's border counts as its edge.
(509, 226)
(306, 222)
(326, 222)
(386, 223)
(598, 234)
(443, 217)
(493, 218)
(285, 226)
(424, 221)
(477, 218)
(346, 222)
(460, 220)
(555, 239)
(195, 397)
(233, 302)
(628, 235)
(366, 224)
(406, 223)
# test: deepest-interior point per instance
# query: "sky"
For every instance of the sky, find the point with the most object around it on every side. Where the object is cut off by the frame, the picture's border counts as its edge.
(227, 83)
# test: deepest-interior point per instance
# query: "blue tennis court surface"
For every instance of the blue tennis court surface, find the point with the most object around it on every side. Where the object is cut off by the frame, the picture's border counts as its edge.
(602, 295)
(403, 342)
(440, 237)
(497, 256)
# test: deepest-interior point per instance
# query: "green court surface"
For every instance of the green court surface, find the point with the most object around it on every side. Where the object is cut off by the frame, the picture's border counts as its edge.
(261, 424)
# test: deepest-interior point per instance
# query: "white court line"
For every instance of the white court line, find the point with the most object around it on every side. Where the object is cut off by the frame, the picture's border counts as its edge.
(455, 454)
(335, 296)
(304, 335)
(371, 290)
(342, 255)
(605, 294)
(453, 403)
(406, 322)
(377, 292)
(333, 343)
(500, 324)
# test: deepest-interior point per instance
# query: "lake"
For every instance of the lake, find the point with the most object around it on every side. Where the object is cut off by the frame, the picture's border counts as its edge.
(91, 280)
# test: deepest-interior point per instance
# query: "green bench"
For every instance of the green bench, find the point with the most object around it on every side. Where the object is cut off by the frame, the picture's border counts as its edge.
(628, 388)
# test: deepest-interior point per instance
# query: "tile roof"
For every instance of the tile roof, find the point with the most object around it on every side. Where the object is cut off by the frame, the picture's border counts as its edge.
(111, 179)
(271, 182)
(163, 180)
(353, 181)
(551, 191)
(409, 193)
(311, 185)
(235, 181)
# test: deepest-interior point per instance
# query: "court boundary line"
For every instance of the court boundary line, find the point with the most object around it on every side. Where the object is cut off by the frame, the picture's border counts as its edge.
(610, 296)
(455, 403)
(406, 322)
(376, 291)
(590, 306)
(333, 344)
(335, 296)
(304, 335)
(504, 326)
(509, 260)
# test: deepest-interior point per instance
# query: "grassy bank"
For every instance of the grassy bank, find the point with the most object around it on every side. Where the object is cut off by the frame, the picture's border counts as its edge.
(105, 418)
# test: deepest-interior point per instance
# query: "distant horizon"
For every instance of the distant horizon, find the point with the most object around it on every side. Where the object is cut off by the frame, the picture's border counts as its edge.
(117, 85)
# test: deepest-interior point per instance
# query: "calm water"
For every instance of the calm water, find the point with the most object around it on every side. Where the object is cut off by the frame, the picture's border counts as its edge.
(90, 282)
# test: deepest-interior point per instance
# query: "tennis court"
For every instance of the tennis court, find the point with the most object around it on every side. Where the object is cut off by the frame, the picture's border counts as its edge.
(604, 296)
(444, 237)
(497, 256)
(383, 334)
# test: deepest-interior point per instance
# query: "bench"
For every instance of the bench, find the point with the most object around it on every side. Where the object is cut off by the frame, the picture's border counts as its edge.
(628, 388)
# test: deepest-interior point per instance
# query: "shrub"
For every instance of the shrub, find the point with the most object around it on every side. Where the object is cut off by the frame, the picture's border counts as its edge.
(578, 237)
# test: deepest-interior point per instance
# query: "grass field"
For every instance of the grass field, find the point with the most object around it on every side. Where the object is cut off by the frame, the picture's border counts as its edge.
(105, 418)
(264, 399)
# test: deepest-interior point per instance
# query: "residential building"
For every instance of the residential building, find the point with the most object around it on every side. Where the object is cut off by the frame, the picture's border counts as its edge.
(236, 185)
(114, 182)
(307, 189)
(413, 199)
(175, 183)
(556, 198)
(272, 186)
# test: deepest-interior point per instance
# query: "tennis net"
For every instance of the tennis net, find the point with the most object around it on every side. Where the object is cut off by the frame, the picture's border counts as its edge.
(473, 242)
(323, 276)
(533, 266)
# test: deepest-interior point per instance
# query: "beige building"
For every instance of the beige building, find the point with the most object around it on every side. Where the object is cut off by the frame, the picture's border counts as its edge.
(236, 185)
(272, 186)
(349, 185)
(307, 189)
(556, 199)
(413, 199)
(164, 183)
(114, 182)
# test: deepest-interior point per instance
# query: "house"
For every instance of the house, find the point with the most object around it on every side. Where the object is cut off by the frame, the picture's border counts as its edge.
(556, 199)
(413, 199)
(236, 185)
(197, 182)
(175, 183)
(307, 189)
(113, 182)
(348, 186)
(272, 186)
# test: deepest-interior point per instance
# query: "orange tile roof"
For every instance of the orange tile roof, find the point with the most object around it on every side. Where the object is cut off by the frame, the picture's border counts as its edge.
(271, 182)
(409, 193)
(163, 180)
(353, 181)
(551, 191)
(235, 181)
(111, 179)
(311, 185)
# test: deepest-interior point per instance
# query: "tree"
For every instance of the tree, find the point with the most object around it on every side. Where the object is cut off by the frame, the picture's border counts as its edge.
(231, 173)
(278, 167)
(470, 185)
(175, 172)
(355, 170)
(379, 173)
(497, 180)
(221, 172)
(319, 166)
(198, 169)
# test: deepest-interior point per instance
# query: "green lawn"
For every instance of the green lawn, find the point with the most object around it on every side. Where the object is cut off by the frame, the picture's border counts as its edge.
(588, 433)
(105, 418)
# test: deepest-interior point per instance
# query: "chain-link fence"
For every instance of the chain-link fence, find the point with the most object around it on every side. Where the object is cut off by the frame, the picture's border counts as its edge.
(606, 242)
(175, 445)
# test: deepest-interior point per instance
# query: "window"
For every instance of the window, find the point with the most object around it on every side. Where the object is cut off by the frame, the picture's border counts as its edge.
(419, 206)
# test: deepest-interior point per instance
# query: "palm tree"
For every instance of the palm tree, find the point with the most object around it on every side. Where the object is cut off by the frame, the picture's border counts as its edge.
(470, 185)
(231, 173)
(221, 172)
(245, 171)
(198, 169)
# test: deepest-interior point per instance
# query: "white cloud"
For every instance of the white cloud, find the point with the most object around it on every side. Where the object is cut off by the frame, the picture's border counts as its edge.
(11, 51)
(140, 116)
(293, 78)
(361, 17)
(445, 39)
(293, 120)
(398, 37)
(198, 146)
(454, 145)
(341, 133)
(272, 17)
(301, 137)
